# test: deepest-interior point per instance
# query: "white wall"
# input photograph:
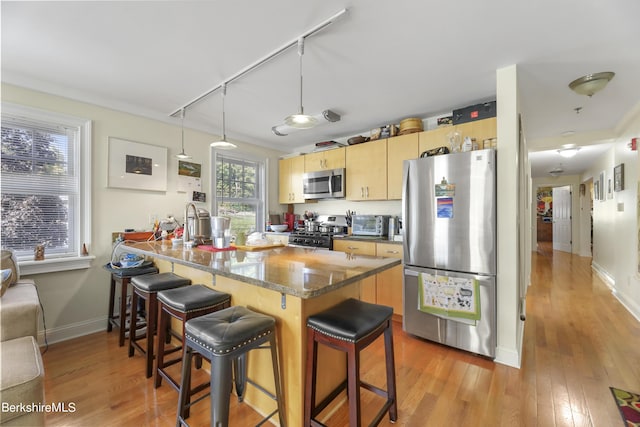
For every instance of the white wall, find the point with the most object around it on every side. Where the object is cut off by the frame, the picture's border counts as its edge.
(615, 220)
(75, 302)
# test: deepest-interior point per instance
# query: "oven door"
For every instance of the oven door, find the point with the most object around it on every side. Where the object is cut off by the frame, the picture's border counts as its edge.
(324, 184)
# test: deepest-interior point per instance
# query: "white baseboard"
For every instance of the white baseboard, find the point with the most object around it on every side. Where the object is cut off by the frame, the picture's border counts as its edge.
(507, 356)
(631, 306)
(604, 275)
(74, 330)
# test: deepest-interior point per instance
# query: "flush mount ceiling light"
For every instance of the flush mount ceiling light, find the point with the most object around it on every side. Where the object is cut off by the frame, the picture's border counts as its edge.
(568, 151)
(223, 144)
(182, 155)
(301, 120)
(558, 170)
(591, 83)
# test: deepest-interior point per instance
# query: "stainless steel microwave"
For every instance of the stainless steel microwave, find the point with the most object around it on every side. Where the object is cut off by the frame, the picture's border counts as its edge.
(326, 184)
(370, 225)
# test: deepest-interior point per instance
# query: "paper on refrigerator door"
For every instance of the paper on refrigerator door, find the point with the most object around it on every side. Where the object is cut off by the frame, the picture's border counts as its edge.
(455, 297)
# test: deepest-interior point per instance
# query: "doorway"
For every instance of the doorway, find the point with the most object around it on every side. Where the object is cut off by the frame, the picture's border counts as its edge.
(554, 220)
(561, 215)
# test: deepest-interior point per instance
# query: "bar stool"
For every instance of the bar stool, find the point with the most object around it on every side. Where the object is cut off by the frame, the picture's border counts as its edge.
(350, 326)
(223, 337)
(147, 288)
(123, 277)
(183, 303)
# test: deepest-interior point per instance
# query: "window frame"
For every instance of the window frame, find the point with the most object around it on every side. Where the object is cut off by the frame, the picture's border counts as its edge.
(261, 175)
(82, 225)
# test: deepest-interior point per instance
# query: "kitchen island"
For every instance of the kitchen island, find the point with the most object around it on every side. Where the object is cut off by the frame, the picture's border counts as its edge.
(287, 283)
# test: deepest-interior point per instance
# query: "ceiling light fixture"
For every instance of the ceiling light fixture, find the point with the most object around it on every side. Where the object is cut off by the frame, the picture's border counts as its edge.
(558, 170)
(591, 83)
(325, 116)
(568, 151)
(301, 120)
(223, 144)
(182, 155)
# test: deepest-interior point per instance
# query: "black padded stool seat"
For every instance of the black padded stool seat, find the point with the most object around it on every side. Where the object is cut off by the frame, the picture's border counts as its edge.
(123, 276)
(147, 287)
(192, 298)
(225, 337)
(159, 282)
(350, 326)
(184, 304)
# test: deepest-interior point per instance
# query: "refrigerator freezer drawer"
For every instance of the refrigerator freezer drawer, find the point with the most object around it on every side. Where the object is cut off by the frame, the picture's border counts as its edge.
(477, 338)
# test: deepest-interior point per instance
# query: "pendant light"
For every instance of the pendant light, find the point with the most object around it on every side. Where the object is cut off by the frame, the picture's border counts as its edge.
(182, 155)
(223, 144)
(301, 120)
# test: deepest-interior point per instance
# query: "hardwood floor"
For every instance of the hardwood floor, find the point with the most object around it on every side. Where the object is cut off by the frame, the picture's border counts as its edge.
(578, 341)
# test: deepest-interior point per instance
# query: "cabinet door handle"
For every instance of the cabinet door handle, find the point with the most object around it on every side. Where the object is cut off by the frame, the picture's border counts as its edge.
(367, 193)
(393, 252)
(352, 248)
(362, 192)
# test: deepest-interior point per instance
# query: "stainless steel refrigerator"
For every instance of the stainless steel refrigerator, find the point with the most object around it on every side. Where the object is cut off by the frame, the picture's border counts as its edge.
(449, 221)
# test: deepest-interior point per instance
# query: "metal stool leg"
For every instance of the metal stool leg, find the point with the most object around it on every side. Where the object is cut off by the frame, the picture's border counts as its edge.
(220, 390)
(183, 394)
(276, 378)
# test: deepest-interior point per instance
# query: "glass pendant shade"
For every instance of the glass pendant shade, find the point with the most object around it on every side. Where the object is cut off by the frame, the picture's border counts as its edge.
(301, 120)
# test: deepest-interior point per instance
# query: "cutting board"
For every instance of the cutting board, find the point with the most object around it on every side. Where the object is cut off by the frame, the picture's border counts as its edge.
(258, 248)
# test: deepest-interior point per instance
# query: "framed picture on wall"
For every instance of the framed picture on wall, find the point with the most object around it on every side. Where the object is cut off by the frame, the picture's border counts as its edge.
(596, 190)
(137, 166)
(601, 183)
(618, 177)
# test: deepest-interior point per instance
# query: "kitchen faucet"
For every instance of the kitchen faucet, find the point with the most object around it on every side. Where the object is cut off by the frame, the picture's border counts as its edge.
(196, 224)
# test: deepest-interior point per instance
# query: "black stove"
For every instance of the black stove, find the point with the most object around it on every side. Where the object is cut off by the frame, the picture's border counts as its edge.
(313, 239)
(319, 239)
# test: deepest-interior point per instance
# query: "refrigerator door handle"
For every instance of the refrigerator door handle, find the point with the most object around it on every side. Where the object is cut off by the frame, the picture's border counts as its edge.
(408, 272)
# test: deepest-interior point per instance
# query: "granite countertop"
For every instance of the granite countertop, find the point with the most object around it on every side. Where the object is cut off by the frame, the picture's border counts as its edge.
(301, 272)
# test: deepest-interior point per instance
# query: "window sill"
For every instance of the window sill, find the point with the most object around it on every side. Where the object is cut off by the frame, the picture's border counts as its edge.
(54, 264)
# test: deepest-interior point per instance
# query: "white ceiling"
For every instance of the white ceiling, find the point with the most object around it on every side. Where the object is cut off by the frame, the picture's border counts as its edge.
(379, 63)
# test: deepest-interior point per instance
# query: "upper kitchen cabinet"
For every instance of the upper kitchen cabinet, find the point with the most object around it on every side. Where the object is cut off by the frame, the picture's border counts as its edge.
(399, 149)
(325, 160)
(366, 171)
(290, 177)
(430, 139)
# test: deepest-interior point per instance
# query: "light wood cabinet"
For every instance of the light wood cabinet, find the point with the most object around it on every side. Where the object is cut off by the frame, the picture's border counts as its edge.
(290, 180)
(354, 247)
(389, 282)
(384, 288)
(325, 160)
(399, 149)
(366, 171)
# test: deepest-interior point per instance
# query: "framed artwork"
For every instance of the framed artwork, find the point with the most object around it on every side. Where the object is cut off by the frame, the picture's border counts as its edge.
(137, 166)
(601, 183)
(618, 177)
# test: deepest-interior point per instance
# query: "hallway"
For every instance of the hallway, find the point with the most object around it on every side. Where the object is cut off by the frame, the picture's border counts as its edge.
(579, 341)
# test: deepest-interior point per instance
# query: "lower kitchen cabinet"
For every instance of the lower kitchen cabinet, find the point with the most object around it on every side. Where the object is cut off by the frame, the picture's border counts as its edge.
(389, 282)
(384, 288)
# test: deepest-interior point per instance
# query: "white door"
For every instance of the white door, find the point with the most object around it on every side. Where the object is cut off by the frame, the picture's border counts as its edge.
(562, 219)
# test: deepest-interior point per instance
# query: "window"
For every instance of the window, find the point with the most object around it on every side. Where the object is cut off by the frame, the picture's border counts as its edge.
(239, 190)
(45, 187)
